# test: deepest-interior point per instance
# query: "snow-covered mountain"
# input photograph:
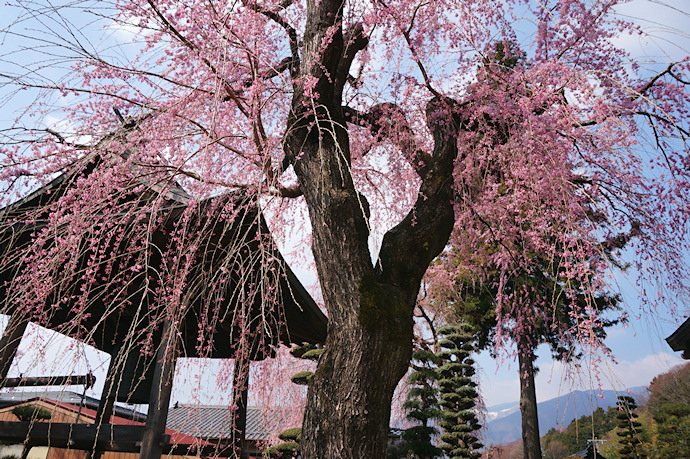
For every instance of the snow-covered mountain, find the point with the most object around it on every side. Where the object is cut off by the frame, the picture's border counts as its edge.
(504, 424)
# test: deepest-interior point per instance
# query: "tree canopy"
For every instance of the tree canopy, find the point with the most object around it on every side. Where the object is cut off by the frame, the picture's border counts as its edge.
(461, 122)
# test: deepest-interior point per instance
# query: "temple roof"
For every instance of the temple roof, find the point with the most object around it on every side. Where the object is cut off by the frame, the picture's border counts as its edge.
(680, 339)
(241, 242)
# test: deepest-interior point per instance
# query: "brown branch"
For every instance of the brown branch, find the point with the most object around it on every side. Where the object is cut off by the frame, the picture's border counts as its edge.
(285, 3)
(291, 32)
(410, 46)
(387, 121)
(429, 322)
(271, 72)
(650, 115)
(651, 82)
(290, 192)
(426, 228)
(425, 75)
(355, 41)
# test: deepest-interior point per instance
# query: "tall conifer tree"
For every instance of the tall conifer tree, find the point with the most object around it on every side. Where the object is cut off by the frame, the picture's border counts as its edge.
(629, 429)
(422, 406)
(458, 393)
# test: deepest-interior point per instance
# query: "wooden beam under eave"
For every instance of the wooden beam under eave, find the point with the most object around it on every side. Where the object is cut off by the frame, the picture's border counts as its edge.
(153, 442)
(9, 342)
(123, 438)
(107, 403)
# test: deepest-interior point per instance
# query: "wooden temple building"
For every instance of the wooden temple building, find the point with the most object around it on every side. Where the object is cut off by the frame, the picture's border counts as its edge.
(139, 377)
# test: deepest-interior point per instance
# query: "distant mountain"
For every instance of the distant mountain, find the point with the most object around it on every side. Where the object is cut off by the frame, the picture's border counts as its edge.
(504, 423)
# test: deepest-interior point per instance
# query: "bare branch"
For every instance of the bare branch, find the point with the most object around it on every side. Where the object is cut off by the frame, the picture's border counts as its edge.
(411, 47)
(387, 121)
(291, 32)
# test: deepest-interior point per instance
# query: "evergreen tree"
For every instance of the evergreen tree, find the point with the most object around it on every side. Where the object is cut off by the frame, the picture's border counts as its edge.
(458, 393)
(31, 413)
(422, 406)
(670, 387)
(629, 428)
(673, 429)
(574, 437)
(551, 307)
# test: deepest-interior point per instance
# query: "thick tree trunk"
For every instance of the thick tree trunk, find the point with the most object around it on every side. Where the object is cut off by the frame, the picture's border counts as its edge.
(350, 396)
(370, 308)
(528, 404)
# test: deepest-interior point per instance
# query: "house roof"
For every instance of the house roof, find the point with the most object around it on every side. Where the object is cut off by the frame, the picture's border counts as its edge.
(225, 243)
(680, 339)
(67, 397)
(238, 243)
(215, 422)
(194, 421)
(176, 437)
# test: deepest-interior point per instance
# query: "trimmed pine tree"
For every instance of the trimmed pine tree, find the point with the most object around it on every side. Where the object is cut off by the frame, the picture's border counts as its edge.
(422, 406)
(629, 429)
(458, 393)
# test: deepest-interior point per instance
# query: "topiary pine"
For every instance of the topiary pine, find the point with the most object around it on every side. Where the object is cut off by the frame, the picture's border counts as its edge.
(458, 393)
(629, 429)
(289, 449)
(30, 412)
(422, 406)
(292, 437)
(302, 378)
(307, 352)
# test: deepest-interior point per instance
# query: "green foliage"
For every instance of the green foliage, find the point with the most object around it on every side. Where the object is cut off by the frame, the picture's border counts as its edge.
(629, 429)
(458, 393)
(562, 443)
(299, 350)
(422, 407)
(288, 449)
(302, 378)
(313, 354)
(292, 437)
(294, 434)
(670, 387)
(673, 429)
(662, 429)
(30, 412)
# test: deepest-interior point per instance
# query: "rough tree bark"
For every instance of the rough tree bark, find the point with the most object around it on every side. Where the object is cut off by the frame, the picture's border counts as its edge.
(370, 307)
(528, 403)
